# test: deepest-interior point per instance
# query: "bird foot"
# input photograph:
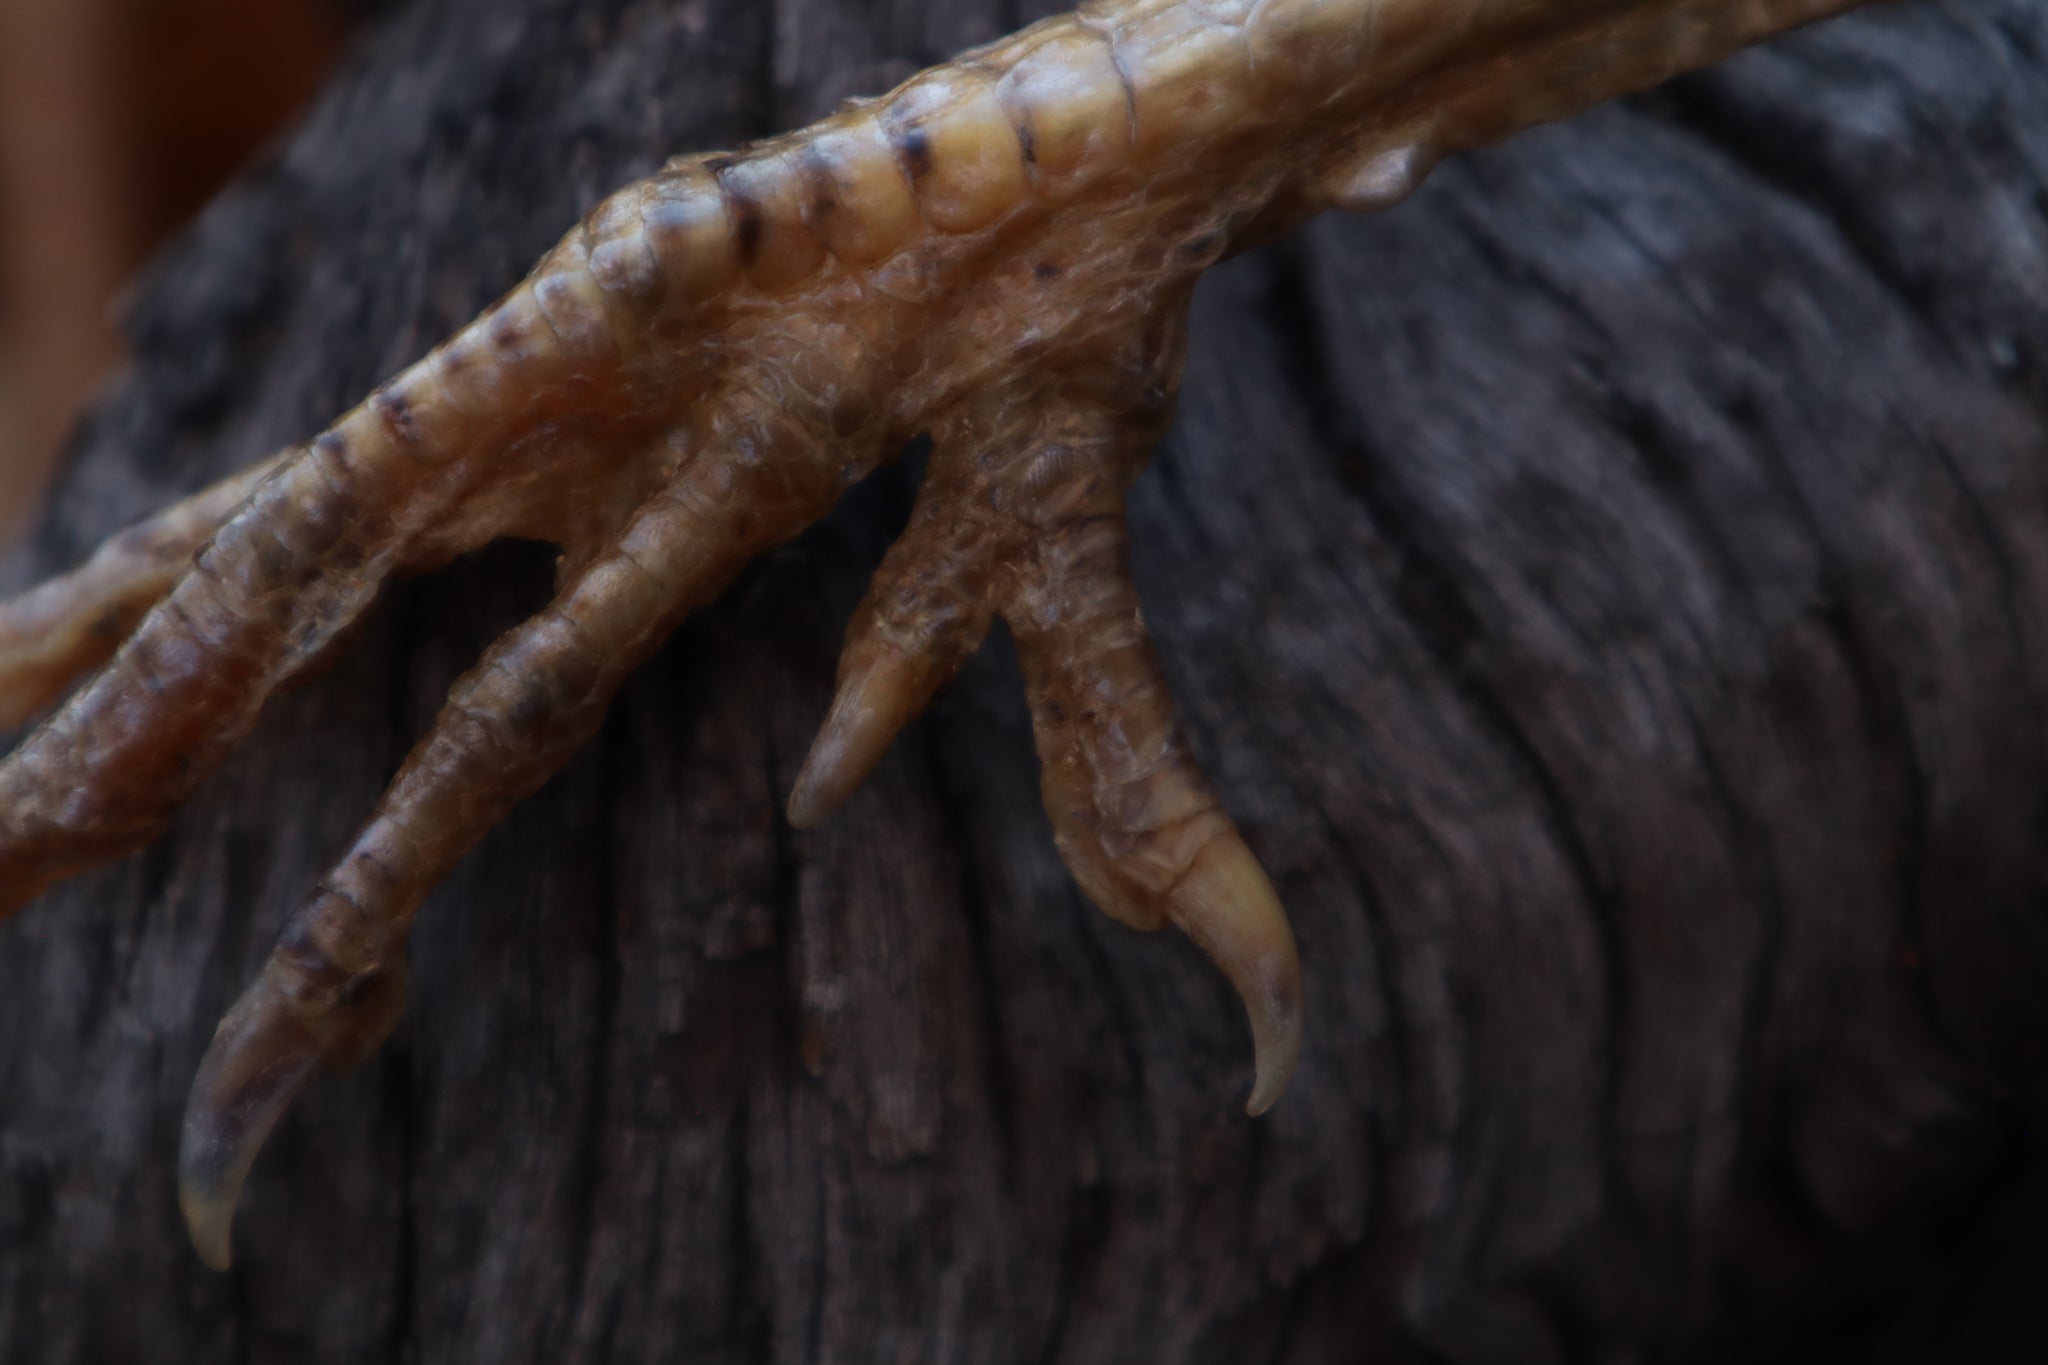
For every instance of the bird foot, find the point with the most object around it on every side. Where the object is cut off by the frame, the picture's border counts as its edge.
(694, 375)
(999, 254)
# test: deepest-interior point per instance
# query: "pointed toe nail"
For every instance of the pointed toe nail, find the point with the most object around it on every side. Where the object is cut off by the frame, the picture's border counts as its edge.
(1228, 907)
(875, 700)
(260, 1059)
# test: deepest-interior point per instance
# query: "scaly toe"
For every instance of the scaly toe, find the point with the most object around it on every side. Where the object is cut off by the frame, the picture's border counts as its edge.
(1132, 813)
(925, 613)
(1022, 516)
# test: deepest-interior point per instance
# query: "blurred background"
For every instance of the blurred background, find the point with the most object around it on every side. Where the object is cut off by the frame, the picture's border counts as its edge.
(118, 119)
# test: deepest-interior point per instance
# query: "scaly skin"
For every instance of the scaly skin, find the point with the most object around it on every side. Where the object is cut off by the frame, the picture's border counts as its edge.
(999, 253)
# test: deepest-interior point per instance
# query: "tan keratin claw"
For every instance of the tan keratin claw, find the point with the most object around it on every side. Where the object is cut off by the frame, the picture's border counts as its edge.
(1227, 905)
(330, 994)
(260, 1059)
(878, 695)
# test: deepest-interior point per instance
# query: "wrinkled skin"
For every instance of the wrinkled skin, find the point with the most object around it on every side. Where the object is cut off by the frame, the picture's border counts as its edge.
(695, 375)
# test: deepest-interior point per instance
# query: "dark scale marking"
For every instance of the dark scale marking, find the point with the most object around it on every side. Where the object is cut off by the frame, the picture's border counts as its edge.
(1045, 270)
(323, 512)
(749, 224)
(821, 200)
(331, 448)
(190, 625)
(1123, 75)
(373, 876)
(528, 719)
(914, 148)
(458, 359)
(748, 228)
(506, 330)
(1200, 248)
(326, 510)
(299, 945)
(395, 411)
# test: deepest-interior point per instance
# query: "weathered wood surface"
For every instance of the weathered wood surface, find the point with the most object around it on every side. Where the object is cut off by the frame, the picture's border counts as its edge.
(1611, 592)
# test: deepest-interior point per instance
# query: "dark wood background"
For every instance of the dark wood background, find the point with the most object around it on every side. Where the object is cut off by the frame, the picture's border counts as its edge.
(1611, 591)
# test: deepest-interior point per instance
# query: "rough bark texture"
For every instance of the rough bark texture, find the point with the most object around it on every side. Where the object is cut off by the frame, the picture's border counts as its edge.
(1611, 591)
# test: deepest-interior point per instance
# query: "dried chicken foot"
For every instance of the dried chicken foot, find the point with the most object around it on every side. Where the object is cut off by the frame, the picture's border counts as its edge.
(1000, 253)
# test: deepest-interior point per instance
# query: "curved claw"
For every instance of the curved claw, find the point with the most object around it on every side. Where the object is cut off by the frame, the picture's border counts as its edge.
(1226, 904)
(925, 613)
(261, 1057)
(877, 697)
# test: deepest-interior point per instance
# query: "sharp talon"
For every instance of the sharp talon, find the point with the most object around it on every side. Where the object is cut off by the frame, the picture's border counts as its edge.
(260, 1059)
(874, 702)
(1228, 907)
